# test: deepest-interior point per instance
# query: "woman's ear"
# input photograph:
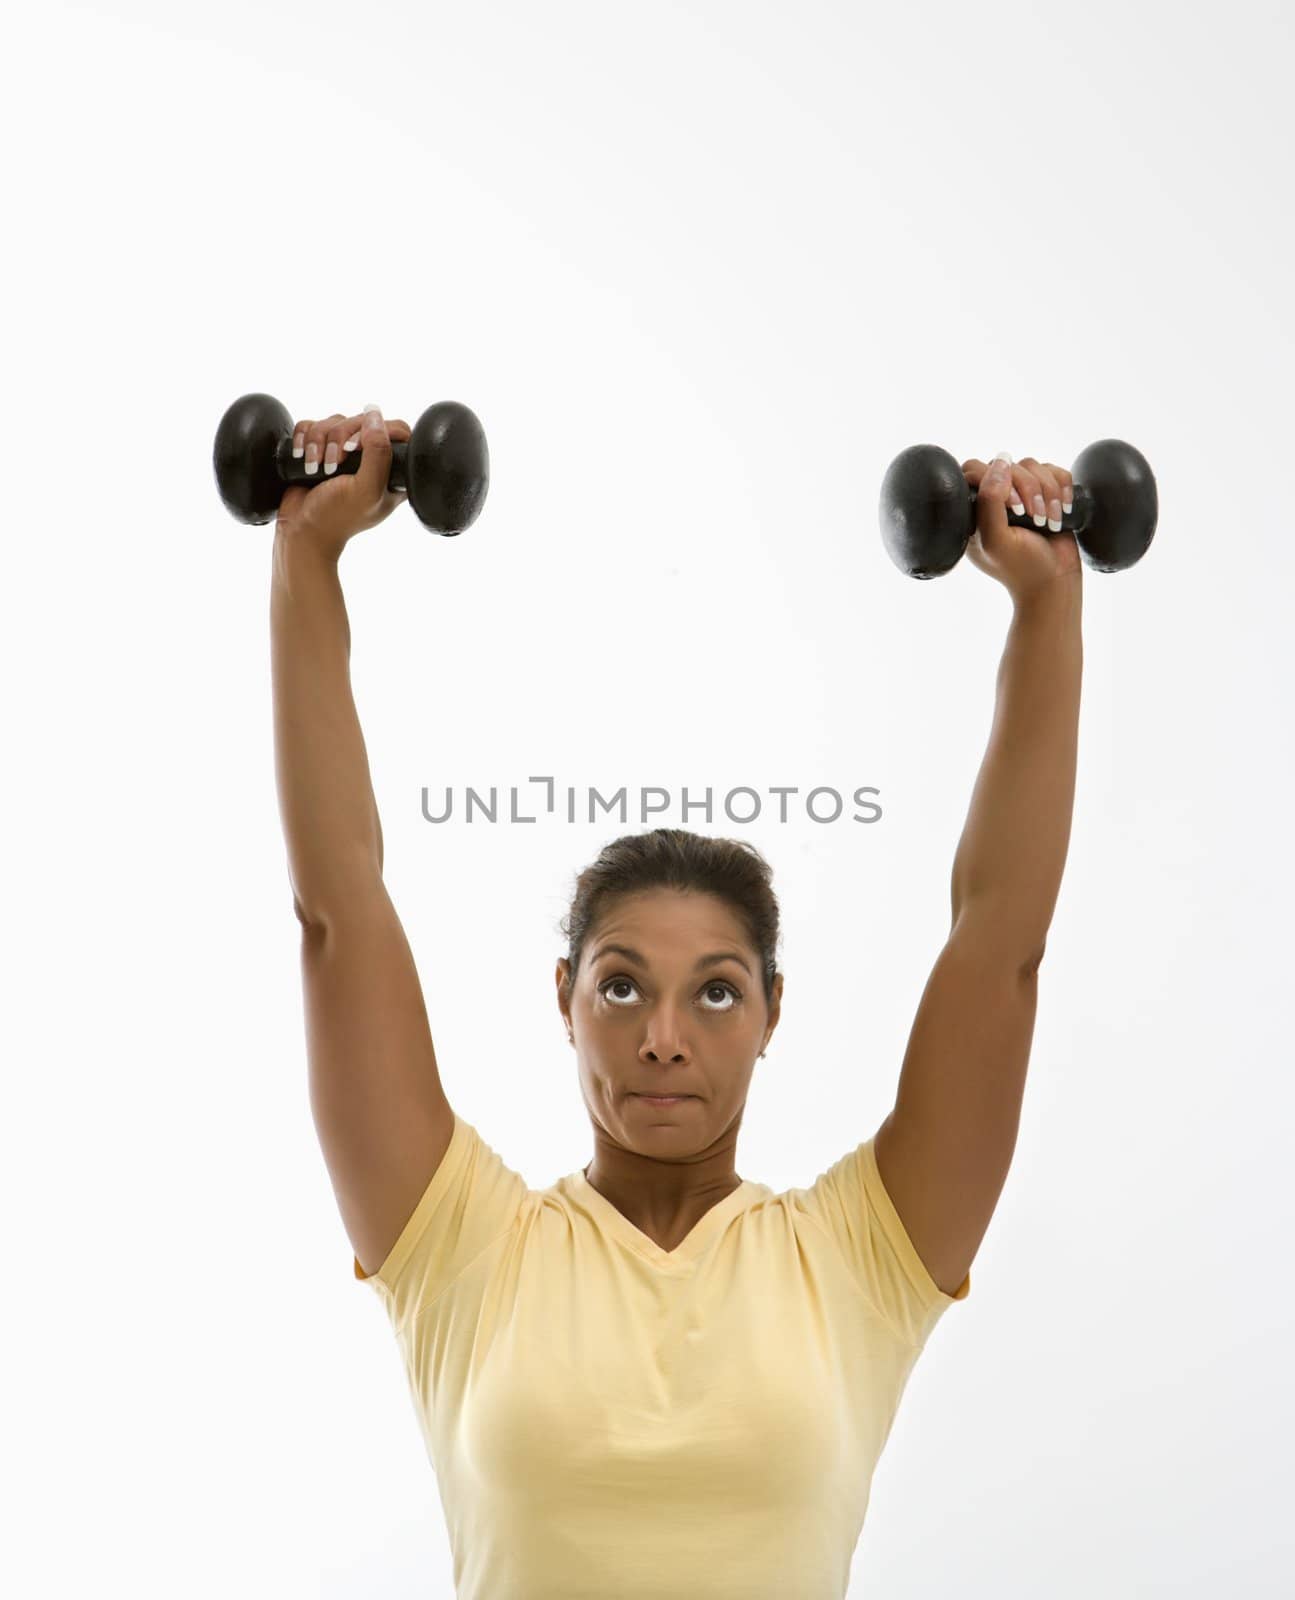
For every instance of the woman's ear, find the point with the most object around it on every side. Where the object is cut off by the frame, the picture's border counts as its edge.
(562, 976)
(775, 1009)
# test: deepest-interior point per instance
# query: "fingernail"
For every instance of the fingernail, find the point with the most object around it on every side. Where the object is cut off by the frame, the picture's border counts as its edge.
(330, 458)
(298, 445)
(373, 416)
(352, 443)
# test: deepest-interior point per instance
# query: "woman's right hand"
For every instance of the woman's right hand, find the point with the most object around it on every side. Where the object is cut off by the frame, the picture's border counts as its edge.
(326, 515)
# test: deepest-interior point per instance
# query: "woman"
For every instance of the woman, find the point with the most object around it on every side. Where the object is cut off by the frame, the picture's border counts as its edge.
(656, 1378)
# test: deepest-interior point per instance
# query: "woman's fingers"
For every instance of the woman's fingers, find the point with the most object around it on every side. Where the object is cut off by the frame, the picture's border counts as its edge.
(322, 442)
(1038, 491)
(1052, 493)
(1042, 491)
(975, 471)
(1023, 484)
(334, 436)
(396, 429)
(308, 440)
(345, 435)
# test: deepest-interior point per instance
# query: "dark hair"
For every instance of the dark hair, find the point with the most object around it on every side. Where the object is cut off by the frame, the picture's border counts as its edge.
(674, 858)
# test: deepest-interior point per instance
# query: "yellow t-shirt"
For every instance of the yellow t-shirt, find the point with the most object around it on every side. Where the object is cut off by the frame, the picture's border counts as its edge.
(606, 1418)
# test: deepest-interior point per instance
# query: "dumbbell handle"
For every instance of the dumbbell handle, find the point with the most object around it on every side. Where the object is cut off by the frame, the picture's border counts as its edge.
(1074, 521)
(292, 469)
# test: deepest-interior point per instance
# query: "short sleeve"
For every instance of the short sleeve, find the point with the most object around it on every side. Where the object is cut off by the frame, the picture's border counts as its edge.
(471, 1200)
(850, 1201)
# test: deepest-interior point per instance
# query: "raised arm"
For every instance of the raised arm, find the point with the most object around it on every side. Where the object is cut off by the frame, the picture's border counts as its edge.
(945, 1150)
(381, 1114)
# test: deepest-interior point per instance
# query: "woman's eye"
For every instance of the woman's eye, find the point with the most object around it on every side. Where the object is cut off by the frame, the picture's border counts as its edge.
(723, 989)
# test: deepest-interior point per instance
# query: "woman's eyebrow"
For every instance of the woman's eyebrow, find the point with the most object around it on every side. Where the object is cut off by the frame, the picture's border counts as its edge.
(712, 960)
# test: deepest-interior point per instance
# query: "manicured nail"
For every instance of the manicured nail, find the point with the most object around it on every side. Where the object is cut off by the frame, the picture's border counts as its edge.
(330, 458)
(297, 444)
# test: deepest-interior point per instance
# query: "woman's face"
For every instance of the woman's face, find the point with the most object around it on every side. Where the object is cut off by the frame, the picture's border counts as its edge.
(677, 1007)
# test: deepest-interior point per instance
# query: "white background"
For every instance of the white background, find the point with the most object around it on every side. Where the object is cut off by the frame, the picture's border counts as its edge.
(702, 270)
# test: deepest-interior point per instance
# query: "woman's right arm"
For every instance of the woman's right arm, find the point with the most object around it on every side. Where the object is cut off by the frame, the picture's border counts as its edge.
(380, 1112)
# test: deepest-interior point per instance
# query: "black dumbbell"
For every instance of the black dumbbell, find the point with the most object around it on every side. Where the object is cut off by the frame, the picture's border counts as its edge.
(928, 509)
(444, 467)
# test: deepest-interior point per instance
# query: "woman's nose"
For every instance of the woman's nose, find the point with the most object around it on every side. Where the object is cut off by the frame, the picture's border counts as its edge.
(663, 1039)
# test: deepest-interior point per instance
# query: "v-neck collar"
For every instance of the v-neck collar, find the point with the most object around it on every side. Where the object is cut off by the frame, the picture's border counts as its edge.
(688, 1248)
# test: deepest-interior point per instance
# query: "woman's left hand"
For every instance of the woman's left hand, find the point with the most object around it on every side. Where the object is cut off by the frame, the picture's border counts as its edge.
(1022, 559)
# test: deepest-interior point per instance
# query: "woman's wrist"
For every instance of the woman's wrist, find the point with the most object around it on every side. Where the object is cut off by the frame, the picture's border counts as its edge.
(1060, 596)
(294, 554)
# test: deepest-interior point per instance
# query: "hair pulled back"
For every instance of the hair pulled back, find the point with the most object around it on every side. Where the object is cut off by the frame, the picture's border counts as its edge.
(674, 858)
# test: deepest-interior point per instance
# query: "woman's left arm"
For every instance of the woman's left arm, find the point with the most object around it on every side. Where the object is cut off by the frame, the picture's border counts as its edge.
(1009, 861)
(945, 1150)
